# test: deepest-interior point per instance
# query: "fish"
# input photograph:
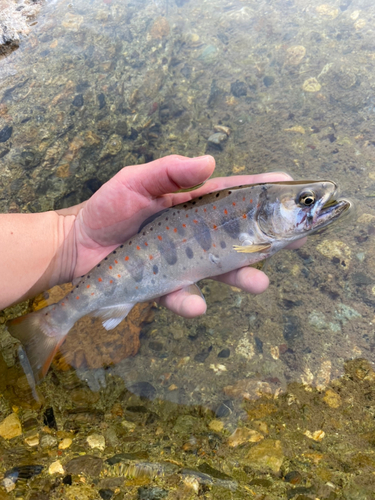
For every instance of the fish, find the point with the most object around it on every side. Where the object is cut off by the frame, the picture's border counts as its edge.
(177, 247)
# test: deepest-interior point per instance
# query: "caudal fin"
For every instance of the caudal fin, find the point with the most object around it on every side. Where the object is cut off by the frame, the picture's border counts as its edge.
(40, 339)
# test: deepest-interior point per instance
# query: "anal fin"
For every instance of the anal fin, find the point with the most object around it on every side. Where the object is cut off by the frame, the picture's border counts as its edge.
(263, 247)
(113, 315)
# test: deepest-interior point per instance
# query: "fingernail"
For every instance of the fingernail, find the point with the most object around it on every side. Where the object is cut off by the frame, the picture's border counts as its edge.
(283, 175)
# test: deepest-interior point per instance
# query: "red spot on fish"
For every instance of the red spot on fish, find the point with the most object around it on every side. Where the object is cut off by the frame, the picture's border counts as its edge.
(251, 201)
(244, 216)
(146, 244)
(184, 240)
(243, 199)
(100, 279)
(214, 207)
(119, 275)
(175, 229)
(167, 228)
(183, 225)
(226, 211)
(160, 238)
(110, 267)
(136, 288)
(88, 286)
(187, 216)
(215, 227)
(111, 281)
(205, 210)
(196, 210)
(213, 244)
(138, 247)
(234, 204)
(116, 262)
(195, 221)
(92, 293)
(258, 206)
(153, 108)
(127, 258)
(62, 303)
(151, 257)
(77, 297)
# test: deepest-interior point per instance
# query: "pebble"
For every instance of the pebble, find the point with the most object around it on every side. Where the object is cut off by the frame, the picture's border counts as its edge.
(216, 425)
(48, 441)
(311, 85)
(267, 454)
(56, 468)
(238, 88)
(32, 440)
(294, 55)
(159, 29)
(78, 101)
(223, 129)
(65, 443)
(332, 399)
(224, 353)
(217, 138)
(155, 493)
(10, 427)
(96, 441)
(6, 133)
(86, 464)
(72, 22)
(335, 248)
(113, 146)
(316, 435)
(244, 435)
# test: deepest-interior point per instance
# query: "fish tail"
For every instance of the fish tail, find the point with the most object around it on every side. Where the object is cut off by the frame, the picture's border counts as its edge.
(40, 337)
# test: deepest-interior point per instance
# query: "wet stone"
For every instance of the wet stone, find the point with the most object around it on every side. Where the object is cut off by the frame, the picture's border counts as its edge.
(49, 418)
(143, 390)
(293, 477)
(224, 409)
(224, 353)
(203, 355)
(10, 427)
(155, 493)
(86, 464)
(47, 441)
(6, 133)
(238, 89)
(106, 494)
(101, 100)
(78, 101)
(268, 81)
(217, 139)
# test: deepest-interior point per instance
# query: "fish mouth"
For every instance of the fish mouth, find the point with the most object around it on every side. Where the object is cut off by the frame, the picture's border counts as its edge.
(331, 210)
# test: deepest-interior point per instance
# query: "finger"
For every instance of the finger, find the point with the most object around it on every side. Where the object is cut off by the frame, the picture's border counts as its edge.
(297, 244)
(219, 183)
(247, 279)
(166, 175)
(187, 302)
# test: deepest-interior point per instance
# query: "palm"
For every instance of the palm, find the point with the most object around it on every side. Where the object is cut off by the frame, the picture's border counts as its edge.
(115, 212)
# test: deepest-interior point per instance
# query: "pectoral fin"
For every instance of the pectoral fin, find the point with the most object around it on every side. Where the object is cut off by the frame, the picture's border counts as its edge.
(113, 315)
(252, 248)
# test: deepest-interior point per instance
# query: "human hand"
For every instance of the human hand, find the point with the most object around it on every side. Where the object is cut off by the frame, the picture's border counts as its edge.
(115, 212)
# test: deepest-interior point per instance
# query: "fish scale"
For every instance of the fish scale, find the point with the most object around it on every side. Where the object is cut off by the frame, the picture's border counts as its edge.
(204, 237)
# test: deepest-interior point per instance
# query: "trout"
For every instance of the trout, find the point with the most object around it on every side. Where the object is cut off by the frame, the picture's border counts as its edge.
(179, 246)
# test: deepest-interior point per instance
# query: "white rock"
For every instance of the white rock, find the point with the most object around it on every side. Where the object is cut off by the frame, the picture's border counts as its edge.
(96, 441)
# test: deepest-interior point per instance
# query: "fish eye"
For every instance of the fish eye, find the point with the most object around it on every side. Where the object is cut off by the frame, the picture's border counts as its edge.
(307, 198)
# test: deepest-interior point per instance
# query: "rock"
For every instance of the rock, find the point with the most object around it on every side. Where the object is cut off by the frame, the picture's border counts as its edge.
(84, 465)
(6, 133)
(293, 477)
(96, 441)
(72, 22)
(143, 390)
(316, 435)
(268, 81)
(32, 440)
(243, 435)
(216, 425)
(65, 443)
(78, 101)
(159, 29)
(10, 427)
(311, 85)
(113, 146)
(223, 129)
(185, 424)
(56, 468)
(335, 249)
(217, 138)
(238, 89)
(224, 353)
(155, 493)
(47, 441)
(332, 399)
(106, 494)
(266, 455)
(294, 55)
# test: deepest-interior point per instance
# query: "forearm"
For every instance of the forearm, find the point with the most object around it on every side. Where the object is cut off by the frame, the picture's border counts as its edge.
(37, 251)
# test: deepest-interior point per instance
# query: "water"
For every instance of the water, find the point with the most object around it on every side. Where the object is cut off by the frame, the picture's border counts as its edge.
(103, 84)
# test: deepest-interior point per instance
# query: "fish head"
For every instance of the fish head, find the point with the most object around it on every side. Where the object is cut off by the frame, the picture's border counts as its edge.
(290, 210)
